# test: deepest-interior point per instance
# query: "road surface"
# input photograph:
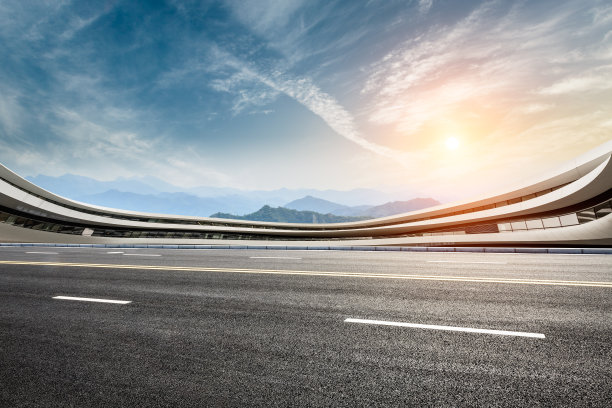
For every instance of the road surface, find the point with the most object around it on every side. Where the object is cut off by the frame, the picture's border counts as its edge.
(303, 328)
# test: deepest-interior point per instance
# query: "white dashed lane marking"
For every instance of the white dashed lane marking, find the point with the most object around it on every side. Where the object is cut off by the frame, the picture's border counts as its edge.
(469, 262)
(274, 257)
(82, 299)
(446, 328)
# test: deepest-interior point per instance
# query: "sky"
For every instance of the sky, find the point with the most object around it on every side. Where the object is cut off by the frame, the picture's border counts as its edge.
(264, 94)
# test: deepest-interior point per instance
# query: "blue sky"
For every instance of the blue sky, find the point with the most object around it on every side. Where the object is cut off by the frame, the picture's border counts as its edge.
(264, 94)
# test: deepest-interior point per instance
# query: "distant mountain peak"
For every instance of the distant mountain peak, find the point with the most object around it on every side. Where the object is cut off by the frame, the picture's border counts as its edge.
(310, 203)
(287, 215)
(151, 194)
(399, 207)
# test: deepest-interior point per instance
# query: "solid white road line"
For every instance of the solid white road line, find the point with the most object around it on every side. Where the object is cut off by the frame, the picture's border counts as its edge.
(446, 328)
(274, 257)
(470, 262)
(82, 299)
(142, 254)
(41, 252)
(115, 252)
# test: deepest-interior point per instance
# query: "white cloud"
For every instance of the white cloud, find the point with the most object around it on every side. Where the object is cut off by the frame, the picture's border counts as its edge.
(328, 109)
(493, 57)
(602, 15)
(89, 139)
(248, 91)
(579, 85)
(424, 6)
(244, 82)
(77, 24)
(93, 149)
(11, 113)
(537, 108)
(265, 15)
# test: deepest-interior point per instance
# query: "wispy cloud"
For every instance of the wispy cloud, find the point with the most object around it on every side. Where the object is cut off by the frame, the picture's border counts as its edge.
(265, 15)
(247, 91)
(78, 23)
(491, 59)
(328, 109)
(114, 152)
(11, 113)
(580, 84)
(143, 87)
(92, 139)
(246, 83)
(536, 108)
(424, 6)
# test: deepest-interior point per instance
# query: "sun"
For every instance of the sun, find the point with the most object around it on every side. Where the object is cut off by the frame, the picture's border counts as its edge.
(452, 143)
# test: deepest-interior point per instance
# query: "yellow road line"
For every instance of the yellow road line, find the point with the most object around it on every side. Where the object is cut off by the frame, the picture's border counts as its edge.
(320, 273)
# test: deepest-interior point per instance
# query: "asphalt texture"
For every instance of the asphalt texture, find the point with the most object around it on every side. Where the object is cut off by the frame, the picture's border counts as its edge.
(267, 328)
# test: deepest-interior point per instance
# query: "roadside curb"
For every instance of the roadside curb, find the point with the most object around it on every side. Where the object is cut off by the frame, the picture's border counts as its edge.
(505, 250)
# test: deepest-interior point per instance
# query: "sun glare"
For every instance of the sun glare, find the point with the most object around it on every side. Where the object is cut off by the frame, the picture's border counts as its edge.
(452, 143)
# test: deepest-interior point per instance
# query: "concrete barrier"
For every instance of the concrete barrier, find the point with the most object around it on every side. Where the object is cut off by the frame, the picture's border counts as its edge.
(500, 250)
(598, 251)
(469, 249)
(414, 249)
(524, 250)
(531, 250)
(564, 250)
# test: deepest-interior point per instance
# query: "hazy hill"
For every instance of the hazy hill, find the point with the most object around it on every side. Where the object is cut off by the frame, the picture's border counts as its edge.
(150, 194)
(310, 203)
(167, 203)
(80, 187)
(72, 186)
(281, 214)
(398, 207)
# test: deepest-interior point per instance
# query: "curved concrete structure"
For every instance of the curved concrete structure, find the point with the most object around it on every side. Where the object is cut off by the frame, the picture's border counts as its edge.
(568, 207)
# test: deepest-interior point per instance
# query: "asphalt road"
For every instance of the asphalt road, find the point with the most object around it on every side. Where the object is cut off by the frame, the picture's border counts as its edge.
(268, 328)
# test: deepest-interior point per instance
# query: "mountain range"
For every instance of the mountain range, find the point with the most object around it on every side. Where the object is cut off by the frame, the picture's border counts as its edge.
(281, 214)
(310, 203)
(149, 194)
